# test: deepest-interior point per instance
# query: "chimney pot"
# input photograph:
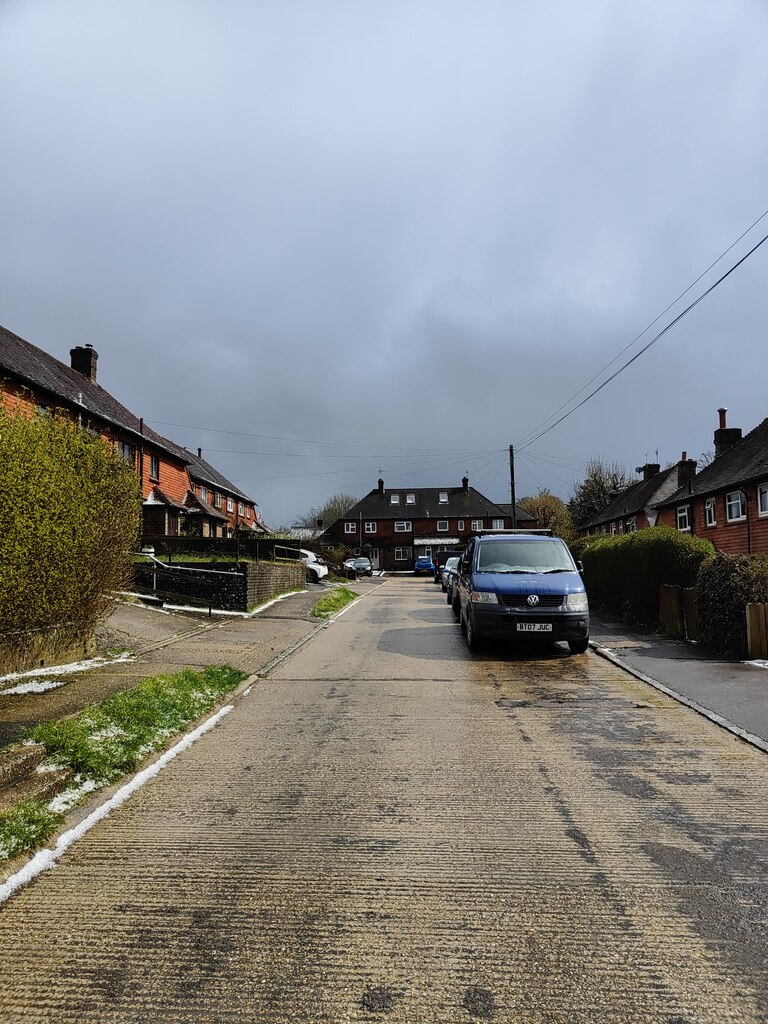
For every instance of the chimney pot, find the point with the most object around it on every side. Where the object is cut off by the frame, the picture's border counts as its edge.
(722, 413)
(465, 483)
(381, 486)
(199, 453)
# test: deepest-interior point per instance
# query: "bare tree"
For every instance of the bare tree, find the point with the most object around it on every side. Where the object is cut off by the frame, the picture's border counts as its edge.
(603, 481)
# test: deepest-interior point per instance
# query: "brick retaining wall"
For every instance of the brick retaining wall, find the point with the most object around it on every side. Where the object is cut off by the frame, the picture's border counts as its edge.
(230, 586)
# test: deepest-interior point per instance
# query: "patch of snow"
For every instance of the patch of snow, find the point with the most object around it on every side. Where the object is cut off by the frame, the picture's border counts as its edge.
(62, 802)
(32, 688)
(46, 859)
(61, 670)
(759, 663)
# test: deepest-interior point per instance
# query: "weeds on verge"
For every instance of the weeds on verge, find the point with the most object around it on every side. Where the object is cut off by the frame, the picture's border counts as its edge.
(333, 602)
(106, 740)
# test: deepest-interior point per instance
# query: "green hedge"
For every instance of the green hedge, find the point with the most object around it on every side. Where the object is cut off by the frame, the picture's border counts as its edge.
(726, 585)
(623, 574)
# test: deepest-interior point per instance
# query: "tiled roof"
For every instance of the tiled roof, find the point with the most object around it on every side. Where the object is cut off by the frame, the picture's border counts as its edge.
(636, 497)
(746, 461)
(426, 504)
(523, 515)
(203, 472)
(195, 499)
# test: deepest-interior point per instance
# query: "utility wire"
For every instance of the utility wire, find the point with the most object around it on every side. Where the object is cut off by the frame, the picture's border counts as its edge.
(645, 348)
(599, 373)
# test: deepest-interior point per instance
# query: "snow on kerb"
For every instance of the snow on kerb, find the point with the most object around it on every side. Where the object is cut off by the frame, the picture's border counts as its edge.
(45, 859)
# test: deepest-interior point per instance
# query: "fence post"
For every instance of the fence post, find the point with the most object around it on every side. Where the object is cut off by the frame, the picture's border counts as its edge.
(757, 631)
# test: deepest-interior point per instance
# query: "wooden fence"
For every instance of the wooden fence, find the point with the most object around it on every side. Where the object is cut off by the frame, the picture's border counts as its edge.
(757, 631)
(678, 612)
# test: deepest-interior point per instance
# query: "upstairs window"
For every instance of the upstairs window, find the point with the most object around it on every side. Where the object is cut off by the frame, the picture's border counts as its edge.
(203, 493)
(217, 500)
(735, 506)
(684, 517)
(410, 499)
(370, 527)
(240, 508)
(443, 497)
(127, 451)
(154, 467)
(762, 500)
(710, 512)
(394, 499)
(350, 527)
(460, 525)
(442, 525)
(247, 511)
(403, 527)
(230, 505)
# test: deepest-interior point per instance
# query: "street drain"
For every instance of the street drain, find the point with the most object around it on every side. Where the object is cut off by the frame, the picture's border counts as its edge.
(478, 1002)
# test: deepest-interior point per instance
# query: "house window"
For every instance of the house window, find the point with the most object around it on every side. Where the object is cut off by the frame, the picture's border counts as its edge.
(350, 527)
(497, 524)
(631, 526)
(762, 500)
(410, 499)
(217, 500)
(735, 506)
(154, 467)
(128, 451)
(43, 410)
(684, 517)
(204, 493)
(403, 527)
(428, 552)
(402, 554)
(230, 505)
(612, 529)
(394, 499)
(240, 508)
(443, 497)
(460, 525)
(477, 524)
(247, 511)
(442, 526)
(370, 527)
(710, 512)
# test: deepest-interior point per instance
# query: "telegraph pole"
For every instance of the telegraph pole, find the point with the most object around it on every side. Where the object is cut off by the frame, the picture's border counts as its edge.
(512, 485)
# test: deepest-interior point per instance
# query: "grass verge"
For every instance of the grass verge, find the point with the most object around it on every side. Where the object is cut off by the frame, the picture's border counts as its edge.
(333, 602)
(107, 740)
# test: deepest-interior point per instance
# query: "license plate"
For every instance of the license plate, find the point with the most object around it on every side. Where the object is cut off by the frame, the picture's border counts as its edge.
(534, 627)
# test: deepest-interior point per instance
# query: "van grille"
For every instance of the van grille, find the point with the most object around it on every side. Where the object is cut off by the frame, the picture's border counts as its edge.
(521, 601)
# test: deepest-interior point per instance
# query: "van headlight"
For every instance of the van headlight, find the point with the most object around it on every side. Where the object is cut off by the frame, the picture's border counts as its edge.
(484, 597)
(577, 603)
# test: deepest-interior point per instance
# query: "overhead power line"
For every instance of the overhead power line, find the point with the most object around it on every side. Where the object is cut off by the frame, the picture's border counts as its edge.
(525, 440)
(645, 348)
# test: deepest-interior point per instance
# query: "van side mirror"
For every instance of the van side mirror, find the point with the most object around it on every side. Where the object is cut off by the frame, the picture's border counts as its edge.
(580, 566)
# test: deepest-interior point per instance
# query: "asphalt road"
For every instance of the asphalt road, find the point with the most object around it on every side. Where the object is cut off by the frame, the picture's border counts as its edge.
(389, 829)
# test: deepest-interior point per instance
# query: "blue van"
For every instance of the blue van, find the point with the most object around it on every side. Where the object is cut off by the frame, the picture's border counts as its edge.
(521, 586)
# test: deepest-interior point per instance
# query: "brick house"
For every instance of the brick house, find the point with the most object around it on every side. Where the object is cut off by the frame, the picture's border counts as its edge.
(634, 508)
(394, 526)
(171, 478)
(727, 502)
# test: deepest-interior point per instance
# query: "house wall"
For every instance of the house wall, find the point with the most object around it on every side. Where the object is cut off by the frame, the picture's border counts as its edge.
(738, 538)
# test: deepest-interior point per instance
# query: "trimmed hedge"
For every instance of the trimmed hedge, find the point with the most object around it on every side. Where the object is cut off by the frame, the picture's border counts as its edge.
(726, 585)
(623, 574)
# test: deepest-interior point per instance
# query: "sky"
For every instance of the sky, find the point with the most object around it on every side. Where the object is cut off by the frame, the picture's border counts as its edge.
(325, 240)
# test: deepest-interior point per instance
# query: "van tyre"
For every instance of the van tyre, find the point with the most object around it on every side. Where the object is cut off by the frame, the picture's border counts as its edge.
(456, 608)
(578, 646)
(474, 641)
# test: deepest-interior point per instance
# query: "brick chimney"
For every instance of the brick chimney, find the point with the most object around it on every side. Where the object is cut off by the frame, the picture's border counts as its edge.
(725, 437)
(465, 483)
(686, 470)
(381, 486)
(648, 470)
(83, 359)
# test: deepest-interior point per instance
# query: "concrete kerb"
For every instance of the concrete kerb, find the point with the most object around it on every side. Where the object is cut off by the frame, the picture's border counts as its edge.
(736, 730)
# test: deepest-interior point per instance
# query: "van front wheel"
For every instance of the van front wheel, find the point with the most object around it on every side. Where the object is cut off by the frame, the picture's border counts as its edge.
(578, 646)
(474, 641)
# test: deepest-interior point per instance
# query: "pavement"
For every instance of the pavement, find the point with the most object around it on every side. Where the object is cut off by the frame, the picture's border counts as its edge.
(732, 693)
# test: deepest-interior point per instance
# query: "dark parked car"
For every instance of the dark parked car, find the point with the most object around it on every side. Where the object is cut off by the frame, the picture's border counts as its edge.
(440, 558)
(362, 566)
(424, 564)
(447, 574)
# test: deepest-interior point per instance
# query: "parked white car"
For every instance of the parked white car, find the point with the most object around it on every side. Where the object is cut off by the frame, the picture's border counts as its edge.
(316, 567)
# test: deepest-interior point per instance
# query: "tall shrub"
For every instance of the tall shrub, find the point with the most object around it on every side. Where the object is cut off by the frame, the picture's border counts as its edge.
(624, 574)
(726, 585)
(70, 511)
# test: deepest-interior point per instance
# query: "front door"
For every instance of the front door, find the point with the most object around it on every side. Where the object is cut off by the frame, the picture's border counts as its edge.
(374, 557)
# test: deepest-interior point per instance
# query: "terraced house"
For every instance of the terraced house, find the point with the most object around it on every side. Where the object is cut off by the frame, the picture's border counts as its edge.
(394, 526)
(180, 491)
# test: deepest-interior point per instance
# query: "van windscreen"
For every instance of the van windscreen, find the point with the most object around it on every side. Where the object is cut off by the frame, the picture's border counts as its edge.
(545, 555)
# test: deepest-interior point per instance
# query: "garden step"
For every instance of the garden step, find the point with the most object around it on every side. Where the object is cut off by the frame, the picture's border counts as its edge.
(18, 761)
(34, 786)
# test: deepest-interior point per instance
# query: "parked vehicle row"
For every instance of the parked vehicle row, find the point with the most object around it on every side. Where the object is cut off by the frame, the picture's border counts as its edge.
(517, 586)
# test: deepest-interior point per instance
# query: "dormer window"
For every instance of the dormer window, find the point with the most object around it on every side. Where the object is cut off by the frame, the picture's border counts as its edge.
(394, 499)
(410, 499)
(443, 497)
